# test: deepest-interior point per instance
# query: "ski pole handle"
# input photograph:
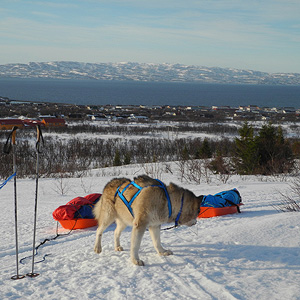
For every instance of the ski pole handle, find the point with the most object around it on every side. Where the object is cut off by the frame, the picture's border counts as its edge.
(39, 138)
(11, 140)
(13, 135)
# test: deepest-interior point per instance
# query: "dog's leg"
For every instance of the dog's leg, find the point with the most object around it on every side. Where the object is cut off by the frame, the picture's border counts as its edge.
(136, 239)
(103, 224)
(120, 227)
(97, 247)
(155, 236)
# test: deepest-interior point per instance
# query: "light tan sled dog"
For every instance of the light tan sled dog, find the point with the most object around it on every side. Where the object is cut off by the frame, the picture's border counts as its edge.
(153, 204)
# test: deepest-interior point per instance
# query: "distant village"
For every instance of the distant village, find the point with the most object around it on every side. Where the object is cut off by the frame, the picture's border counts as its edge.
(26, 113)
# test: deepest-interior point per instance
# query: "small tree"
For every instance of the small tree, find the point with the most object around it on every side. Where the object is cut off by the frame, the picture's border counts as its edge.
(117, 159)
(127, 158)
(246, 154)
(204, 151)
(274, 152)
(185, 153)
(296, 149)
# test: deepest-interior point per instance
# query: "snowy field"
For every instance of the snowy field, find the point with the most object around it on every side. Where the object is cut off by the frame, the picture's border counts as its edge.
(252, 255)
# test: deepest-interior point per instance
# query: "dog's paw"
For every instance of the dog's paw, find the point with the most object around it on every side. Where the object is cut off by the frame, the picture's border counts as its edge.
(138, 262)
(97, 249)
(119, 248)
(166, 253)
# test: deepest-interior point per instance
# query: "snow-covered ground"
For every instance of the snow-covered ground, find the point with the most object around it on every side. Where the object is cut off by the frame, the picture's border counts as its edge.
(252, 255)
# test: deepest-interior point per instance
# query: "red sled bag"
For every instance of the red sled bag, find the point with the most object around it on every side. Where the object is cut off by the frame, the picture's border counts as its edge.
(76, 208)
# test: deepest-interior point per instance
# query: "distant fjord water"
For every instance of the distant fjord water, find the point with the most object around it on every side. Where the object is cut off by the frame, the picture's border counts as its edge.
(102, 92)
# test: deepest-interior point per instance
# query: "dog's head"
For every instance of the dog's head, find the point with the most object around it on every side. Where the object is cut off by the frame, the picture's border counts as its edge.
(190, 210)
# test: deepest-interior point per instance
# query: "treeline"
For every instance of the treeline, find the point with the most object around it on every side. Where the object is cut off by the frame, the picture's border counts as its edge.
(263, 152)
(75, 156)
(128, 128)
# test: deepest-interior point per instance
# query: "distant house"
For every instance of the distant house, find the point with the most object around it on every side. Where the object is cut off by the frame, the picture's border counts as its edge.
(8, 124)
(252, 108)
(54, 122)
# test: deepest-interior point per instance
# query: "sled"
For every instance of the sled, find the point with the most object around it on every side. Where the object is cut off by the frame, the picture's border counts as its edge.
(77, 213)
(78, 223)
(209, 212)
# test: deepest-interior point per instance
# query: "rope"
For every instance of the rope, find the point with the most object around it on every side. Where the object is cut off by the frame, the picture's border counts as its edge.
(168, 228)
(176, 226)
(43, 242)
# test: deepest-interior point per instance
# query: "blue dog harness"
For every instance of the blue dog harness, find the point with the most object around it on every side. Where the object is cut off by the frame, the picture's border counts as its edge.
(129, 203)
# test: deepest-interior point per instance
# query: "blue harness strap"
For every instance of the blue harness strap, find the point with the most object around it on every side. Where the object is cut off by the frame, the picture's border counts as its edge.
(180, 211)
(167, 195)
(129, 203)
(126, 202)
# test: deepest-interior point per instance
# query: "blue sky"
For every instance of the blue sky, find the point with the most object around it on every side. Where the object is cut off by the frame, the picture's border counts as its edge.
(259, 35)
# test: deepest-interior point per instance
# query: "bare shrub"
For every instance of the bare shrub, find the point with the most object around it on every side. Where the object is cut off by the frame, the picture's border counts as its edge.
(104, 172)
(207, 173)
(168, 168)
(61, 184)
(221, 167)
(194, 170)
(153, 170)
(181, 168)
(87, 185)
(291, 200)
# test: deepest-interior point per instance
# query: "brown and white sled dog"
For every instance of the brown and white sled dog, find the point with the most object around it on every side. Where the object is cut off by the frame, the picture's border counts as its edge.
(153, 204)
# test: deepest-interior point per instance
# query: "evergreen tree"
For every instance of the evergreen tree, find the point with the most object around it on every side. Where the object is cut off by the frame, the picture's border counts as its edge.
(204, 151)
(296, 149)
(185, 153)
(127, 158)
(117, 159)
(246, 156)
(275, 153)
(267, 153)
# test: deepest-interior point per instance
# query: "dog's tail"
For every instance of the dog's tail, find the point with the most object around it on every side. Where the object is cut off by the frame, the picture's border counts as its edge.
(97, 209)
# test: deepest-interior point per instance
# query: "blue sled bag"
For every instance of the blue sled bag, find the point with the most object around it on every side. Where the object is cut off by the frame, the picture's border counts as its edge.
(222, 199)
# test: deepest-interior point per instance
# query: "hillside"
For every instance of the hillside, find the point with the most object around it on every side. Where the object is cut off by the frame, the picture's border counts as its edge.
(145, 72)
(252, 255)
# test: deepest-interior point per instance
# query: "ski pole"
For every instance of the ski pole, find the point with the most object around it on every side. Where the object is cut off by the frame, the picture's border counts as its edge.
(10, 145)
(39, 139)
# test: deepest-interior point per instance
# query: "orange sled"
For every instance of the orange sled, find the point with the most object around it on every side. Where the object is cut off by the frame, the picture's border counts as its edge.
(209, 212)
(78, 223)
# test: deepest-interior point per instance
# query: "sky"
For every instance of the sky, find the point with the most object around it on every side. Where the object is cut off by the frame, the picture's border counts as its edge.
(254, 35)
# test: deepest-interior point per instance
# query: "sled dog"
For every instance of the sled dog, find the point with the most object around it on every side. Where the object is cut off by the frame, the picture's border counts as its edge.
(151, 204)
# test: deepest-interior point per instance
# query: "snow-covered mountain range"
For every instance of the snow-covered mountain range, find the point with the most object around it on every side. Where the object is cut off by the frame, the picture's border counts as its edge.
(145, 72)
